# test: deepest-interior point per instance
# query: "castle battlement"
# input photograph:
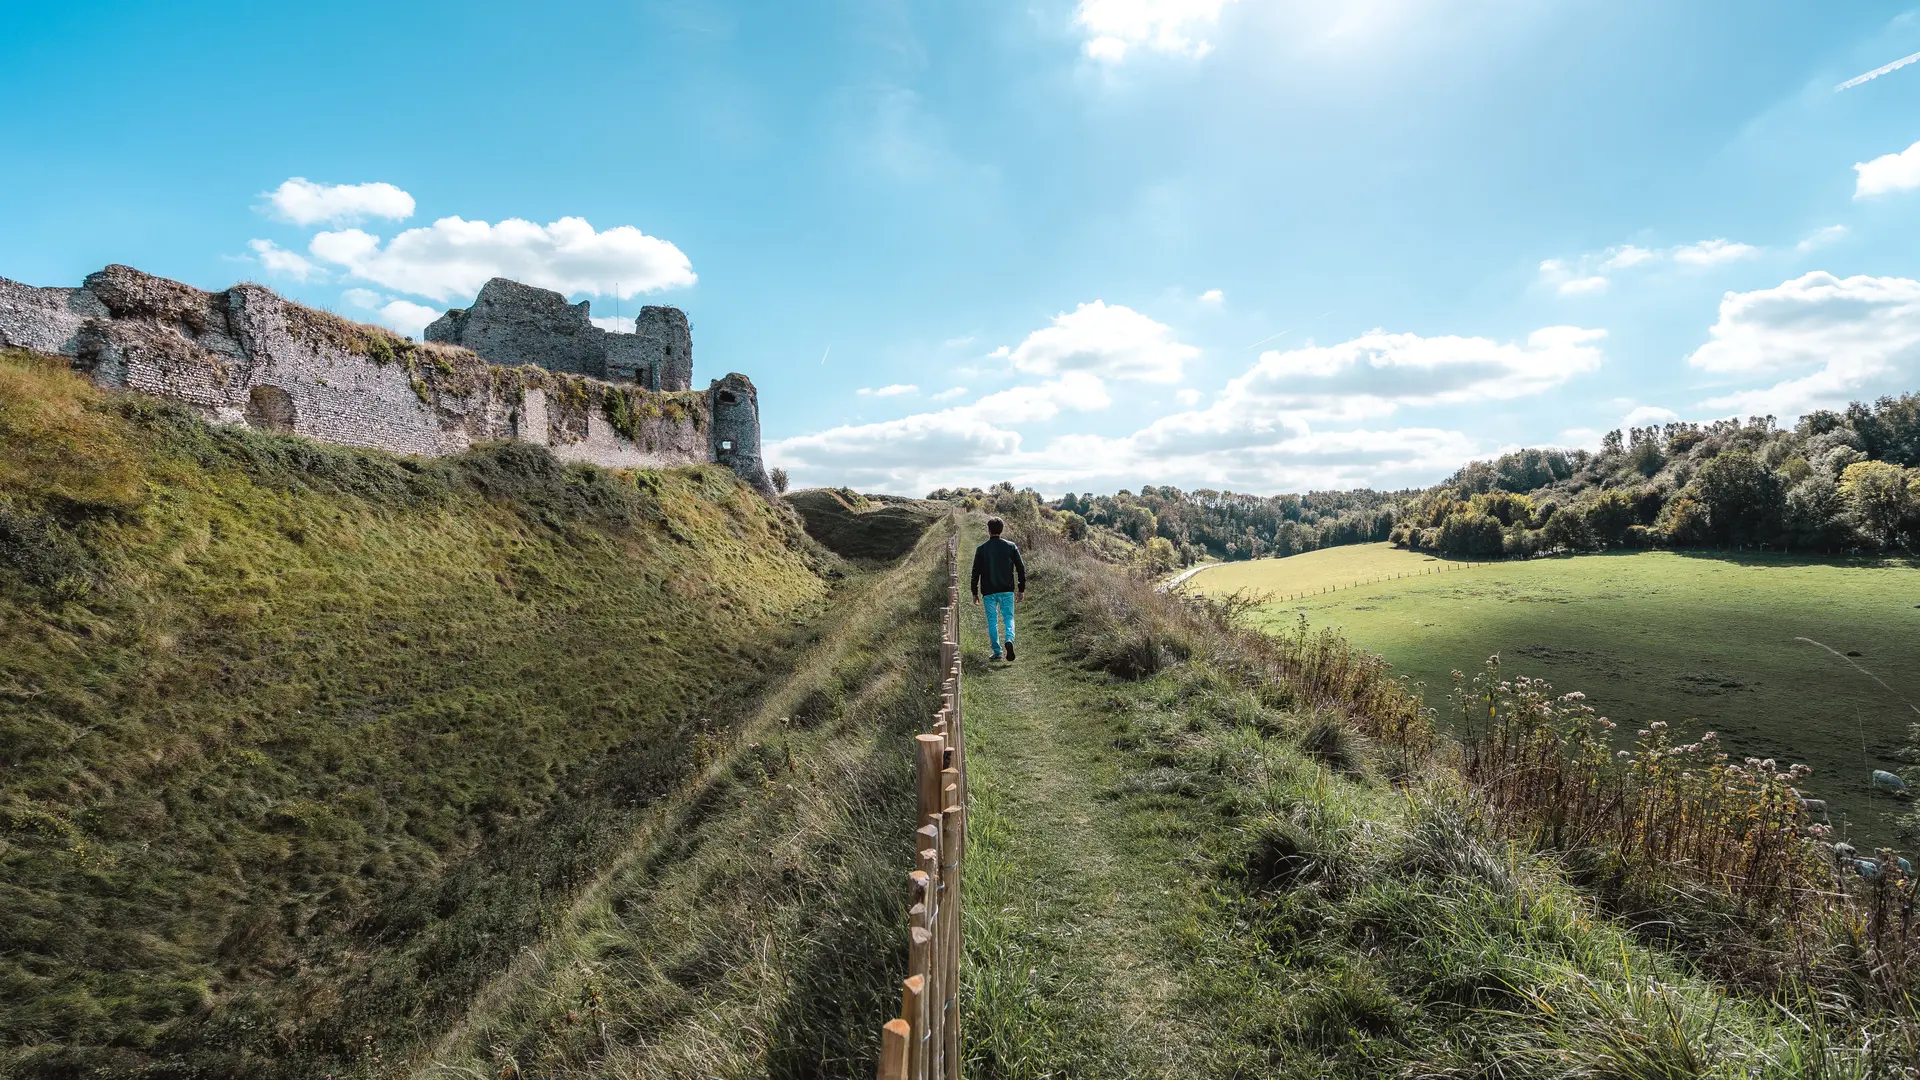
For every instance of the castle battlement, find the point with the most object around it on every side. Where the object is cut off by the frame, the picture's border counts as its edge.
(516, 365)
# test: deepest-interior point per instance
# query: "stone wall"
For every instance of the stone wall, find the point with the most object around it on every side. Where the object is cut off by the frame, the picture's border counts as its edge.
(512, 323)
(248, 356)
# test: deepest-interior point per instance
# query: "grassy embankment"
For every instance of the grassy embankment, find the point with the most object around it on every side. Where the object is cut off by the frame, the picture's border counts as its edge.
(300, 746)
(1195, 854)
(757, 927)
(1651, 636)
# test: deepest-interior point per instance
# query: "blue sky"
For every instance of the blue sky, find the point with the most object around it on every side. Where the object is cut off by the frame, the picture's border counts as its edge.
(1081, 244)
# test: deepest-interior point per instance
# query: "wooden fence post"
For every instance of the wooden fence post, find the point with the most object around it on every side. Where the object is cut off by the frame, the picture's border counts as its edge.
(895, 1040)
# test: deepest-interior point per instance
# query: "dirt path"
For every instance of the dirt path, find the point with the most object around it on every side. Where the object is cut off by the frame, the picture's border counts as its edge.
(1076, 897)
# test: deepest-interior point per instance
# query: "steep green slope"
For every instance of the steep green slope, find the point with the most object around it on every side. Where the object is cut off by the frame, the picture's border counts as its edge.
(299, 745)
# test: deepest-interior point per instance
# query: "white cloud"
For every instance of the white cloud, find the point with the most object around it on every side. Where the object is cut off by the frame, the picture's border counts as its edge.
(1820, 238)
(1627, 256)
(1213, 298)
(452, 258)
(1837, 337)
(949, 394)
(1713, 252)
(895, 390)
(1649, 416)
(1888, 173)
(1378, 372)
(278, 260)
(1107, 340)
(957, 342)
(365, 299)
(407, 317)
(1116, 27)
(613, 324)
(304, 202)
(1583, 286)
(926, 450)
(1259, 434)
(1589, 273)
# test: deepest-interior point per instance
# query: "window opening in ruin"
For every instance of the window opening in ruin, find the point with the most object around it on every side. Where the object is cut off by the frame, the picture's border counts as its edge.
(726, 445)
(728, 397)
(269, 408)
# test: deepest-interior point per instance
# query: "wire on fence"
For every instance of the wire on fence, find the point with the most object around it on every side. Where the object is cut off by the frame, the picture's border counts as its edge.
(924, 1042)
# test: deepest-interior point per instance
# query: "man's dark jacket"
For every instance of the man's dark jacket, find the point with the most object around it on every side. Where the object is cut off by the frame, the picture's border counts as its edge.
(997, 567)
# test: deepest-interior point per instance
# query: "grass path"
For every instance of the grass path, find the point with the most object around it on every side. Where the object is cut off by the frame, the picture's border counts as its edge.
(1076, 895)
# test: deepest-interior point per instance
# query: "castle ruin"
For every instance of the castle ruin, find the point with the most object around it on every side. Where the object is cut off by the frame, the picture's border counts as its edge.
(521, 363)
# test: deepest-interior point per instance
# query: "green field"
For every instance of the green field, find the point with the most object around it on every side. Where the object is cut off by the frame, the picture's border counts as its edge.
(1650, 636)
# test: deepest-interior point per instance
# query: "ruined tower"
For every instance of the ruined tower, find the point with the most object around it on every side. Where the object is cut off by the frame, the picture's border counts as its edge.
(511, 323)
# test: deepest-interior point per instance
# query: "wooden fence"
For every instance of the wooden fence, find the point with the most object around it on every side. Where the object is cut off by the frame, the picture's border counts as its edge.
(923, 1043)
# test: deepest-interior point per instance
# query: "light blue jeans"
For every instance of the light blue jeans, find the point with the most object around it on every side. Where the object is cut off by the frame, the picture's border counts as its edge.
(999, 610)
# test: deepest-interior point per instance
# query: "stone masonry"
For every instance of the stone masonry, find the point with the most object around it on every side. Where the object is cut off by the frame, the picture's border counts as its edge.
(248, 356)
(511, 323)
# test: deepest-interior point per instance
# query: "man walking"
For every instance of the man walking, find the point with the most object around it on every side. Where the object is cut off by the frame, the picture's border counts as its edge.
(999, 580)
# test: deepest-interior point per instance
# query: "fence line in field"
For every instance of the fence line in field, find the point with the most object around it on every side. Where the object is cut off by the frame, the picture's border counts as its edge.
(923, 1042)
(1424, 572)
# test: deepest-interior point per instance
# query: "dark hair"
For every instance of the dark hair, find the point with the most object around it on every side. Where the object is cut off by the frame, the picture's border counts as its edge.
(994, 525)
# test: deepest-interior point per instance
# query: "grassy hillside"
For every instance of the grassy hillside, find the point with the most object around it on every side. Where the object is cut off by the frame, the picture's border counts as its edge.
(1658, 636)
(754, 926)
(300, 745)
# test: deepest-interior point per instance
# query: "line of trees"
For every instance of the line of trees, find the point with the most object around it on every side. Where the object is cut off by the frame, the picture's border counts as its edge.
(1838, 481)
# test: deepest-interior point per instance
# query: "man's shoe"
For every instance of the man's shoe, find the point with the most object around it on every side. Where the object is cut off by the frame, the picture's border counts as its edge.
(995, 656)
(1009, 650)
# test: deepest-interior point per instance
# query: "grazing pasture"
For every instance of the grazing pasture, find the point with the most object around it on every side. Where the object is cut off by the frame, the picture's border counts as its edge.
(1712, 640)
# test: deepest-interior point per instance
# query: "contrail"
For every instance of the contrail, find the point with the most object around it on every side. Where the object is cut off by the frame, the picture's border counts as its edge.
(1283, 333)
(823, 356)
(1876, 73)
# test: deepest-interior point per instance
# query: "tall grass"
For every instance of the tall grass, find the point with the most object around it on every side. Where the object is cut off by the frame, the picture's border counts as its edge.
(1711, 864)
(1678, 832)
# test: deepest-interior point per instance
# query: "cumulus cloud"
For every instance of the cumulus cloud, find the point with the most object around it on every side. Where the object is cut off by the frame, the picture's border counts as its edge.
(1836, 338)
(453, 257)
(949, 394)
(1213, 298)
(1649, 416)
(283, 263)
(1379, 372)
(1888, 174)
(1115, 28)
(1264, 432)
(406, 317)
(925, 450)
(365, 299)
(895, 390)
(613, 324)
(1583, 286)
(303, 202)
(1112, 341)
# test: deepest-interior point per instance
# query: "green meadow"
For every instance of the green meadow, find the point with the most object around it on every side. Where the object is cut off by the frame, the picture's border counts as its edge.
(1718, 642)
